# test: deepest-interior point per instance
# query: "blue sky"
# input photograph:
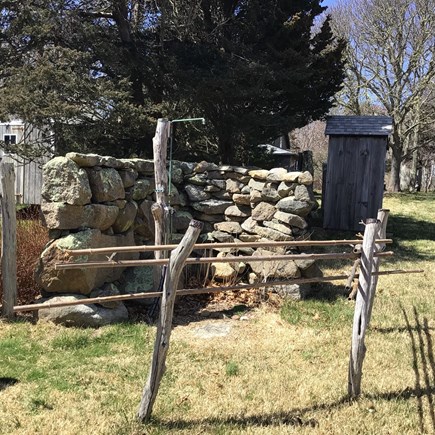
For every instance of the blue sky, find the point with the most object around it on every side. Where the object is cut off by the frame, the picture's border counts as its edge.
(328, 2)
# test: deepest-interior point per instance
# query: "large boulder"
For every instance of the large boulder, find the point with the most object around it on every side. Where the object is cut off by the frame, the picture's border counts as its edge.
(84, 280)
(285, 269)
(138, 280)
(60, 216)
(106, 184)
(91, 315)
(293, 206)
(125, 218)
(65, 181)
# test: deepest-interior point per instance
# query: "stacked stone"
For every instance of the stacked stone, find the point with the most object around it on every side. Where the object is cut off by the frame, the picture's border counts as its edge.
(92, 201)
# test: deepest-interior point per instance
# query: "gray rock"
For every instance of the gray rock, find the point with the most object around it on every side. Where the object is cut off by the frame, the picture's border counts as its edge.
(270, 193)
(285, 189)
(238, 211)
(292, 291)
(249, 225)
(138, 280)
(270, 234)
(229, 227)
(205, 166)
(276, 225)
(108, 289)
(242, 199)
(303, 194)
(276, 269)
(126, 217)
(82, 315)
(291, 219)
(259, 174)
(65, 181)
(292, 177)
(263, 212)
(208, 217)
(313, 271)
(128, 177)
(110, 162)
(175, 197)
(221, 184)
(60, 216)
(143, 166)
(276, 174)
(181, 220)
(222, 237)
(144, 222)
(246, 190)
(249, 237)
(211, 188)
(177, 176)
(304, 264)
(222, 194)
(225, 271)
(199, 179)
(196, 193)
(106, 184)
(212, 206)
(257, 185)
(240, 170)
(217, 175)
(255, 196)
(80, 281)
(84, 160)
(290, 205)
(305, 178)
(141, 189)
(187, 167)
(233, 186)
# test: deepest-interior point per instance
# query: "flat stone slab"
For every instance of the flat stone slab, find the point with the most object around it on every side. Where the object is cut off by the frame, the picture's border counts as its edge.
(213, 330)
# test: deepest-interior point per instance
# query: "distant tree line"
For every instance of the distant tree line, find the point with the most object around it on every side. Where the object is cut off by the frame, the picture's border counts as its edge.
(94, 75)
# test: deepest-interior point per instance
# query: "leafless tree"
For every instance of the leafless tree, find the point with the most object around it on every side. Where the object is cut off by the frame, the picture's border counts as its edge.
(390, 61)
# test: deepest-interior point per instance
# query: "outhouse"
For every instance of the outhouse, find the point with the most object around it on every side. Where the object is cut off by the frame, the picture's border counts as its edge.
(353, 185)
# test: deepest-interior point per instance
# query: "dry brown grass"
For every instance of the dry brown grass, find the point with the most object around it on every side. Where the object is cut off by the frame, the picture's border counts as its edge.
(267, 376)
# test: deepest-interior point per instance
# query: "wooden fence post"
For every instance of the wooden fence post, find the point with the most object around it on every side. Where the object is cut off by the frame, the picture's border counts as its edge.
(9, 240)
(363, 302)
(159, 209)
(164, 324)
(379, 247)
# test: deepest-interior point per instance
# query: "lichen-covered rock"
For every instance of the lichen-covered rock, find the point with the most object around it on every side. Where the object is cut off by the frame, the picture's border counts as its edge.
(144, 222)
(196, 193)
(292, 291)
(65, 181)
(222, 237)
(90, 315)
(143, 166)
(199, 179)
(302, 193)
(291, 219)
(285, 269)
(290, 205)
(212, 206)
(80, 281)
(257, 185)
(141, 189)
(177, 174)
(128, 177)
(285, 189)
(229, 227)
(270, 193)
(106, 184)
(137, 280)
(233, 186)
(263, 212)
(125, 218)
(60, 216)
(107, 290)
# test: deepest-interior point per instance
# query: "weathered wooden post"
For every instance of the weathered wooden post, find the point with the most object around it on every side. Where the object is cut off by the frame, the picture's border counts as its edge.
(379, 247)
(164, 324)
(362, 307)
(9, 240)
(160, 208)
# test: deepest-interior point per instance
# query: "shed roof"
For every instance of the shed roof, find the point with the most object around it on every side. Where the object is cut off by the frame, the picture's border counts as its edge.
(358, 125)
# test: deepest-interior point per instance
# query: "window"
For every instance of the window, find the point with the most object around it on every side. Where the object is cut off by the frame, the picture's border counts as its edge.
(10, 139)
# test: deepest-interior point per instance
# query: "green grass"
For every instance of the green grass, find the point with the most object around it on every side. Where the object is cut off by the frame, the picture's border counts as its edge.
(281, 371)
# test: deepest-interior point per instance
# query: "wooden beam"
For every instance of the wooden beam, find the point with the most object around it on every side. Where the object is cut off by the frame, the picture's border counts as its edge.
(233, 245)
(196, 291)
(164, 325)
(9, 240)
(360, 320)
(205, 260)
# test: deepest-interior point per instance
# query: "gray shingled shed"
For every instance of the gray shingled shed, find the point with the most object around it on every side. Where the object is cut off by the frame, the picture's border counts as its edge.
(353, 185)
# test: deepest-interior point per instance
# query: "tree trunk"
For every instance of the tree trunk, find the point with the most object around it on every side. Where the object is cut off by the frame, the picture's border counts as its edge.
(226, 151)
(396, 160)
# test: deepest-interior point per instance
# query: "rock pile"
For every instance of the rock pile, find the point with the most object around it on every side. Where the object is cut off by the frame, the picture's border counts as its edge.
(92, 201)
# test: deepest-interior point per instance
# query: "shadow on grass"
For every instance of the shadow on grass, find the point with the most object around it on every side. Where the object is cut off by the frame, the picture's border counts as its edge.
(423, 365)
(294, 417)
(7, 382)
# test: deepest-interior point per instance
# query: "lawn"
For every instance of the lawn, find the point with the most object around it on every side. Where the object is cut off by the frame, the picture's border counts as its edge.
(282, 370)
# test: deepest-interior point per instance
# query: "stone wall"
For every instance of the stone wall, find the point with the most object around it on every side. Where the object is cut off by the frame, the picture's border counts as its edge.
(92, 201)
